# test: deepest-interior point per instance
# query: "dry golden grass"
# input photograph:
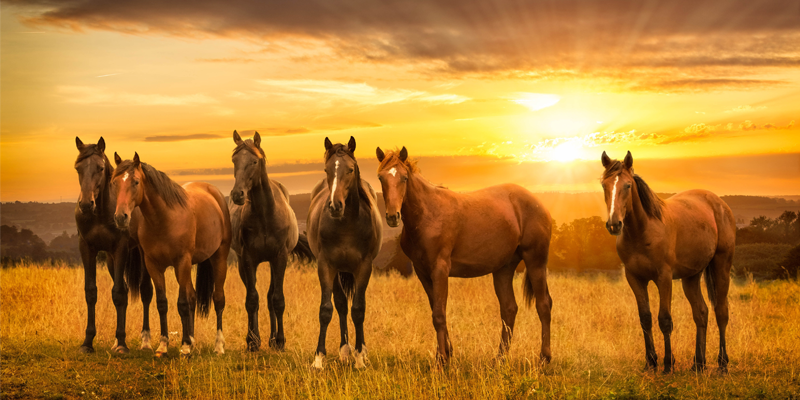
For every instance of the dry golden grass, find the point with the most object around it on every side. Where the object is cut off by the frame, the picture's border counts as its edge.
(598, 350)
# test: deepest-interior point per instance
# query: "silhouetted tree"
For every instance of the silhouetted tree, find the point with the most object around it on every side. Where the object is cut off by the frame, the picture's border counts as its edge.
(16, 245)
(792, 262)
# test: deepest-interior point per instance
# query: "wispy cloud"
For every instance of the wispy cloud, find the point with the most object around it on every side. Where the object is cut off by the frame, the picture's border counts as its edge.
(744, 109)
(180, 138)
(535, 101)
(104, 96)
(360, 92)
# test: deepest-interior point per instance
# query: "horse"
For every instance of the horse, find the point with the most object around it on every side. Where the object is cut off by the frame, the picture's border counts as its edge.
(177, 226)
(345, 235)
(467, 235)
(264, 229)
(689, 234)
(94, 217)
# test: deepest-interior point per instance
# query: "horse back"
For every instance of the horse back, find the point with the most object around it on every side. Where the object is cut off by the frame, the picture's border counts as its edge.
(212, 219)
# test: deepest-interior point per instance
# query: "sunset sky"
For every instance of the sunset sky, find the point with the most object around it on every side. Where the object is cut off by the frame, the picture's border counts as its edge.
(703, 93)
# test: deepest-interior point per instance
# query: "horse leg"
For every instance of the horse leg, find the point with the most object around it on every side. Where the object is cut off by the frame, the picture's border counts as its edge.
(247, 271)
(278, 269)
(162, 305)
(146, 293)
(504, 289)
(219, 262)
(439, 278)
(273, 321)
(359, 310)
(536, 268)
(119, 294)
(721, 278)
(691, 287)
(664, 284)
(89, 258)
(327, 274)
(639, 288)
(187, 303)
(340, 301)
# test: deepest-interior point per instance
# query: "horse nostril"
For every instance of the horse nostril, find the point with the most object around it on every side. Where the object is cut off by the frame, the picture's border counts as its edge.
(397, 215)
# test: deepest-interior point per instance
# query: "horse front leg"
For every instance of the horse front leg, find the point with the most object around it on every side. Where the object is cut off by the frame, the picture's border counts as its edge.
(247, 271)
(664, 285)
(359, 310)
(504, 289)
(89, 258)
(187, 304)
(439, 288)
(119, 294)
(340, 301)
(162, 305)
(146, 293)
(639, 287)
(326, 276)
(278, 271)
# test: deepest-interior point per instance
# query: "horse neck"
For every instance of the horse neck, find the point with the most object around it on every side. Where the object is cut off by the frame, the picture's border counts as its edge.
(353, 200)
(635, 222)
(262, 199)
(105, 203)
(418, 192)
(153, 207)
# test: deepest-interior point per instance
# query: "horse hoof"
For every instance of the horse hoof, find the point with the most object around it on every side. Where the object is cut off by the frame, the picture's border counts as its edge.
(698, 368)
(317, 364)
(345, 352)
(86, 349)
(278, 345)
(121, 350)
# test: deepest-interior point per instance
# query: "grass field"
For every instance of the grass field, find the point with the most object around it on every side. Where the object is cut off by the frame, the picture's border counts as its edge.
(598, 350)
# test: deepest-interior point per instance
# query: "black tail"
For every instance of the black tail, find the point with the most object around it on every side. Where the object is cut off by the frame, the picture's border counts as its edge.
(348, 282)
(527, 289)
(712, 288)
(133, 272)
(302, 250)
(204, 287)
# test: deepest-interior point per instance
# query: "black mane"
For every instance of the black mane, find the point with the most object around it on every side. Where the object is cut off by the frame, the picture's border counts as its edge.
(172, 193)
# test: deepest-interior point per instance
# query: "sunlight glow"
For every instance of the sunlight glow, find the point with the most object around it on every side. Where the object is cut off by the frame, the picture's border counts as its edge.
(567, 151)
(536, 101)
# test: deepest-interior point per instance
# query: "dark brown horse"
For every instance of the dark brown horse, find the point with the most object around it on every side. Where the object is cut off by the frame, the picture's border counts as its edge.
(94, 216)
(690, 233)
(264, 229)
(177, 226)
(345, 232)
(467, 235)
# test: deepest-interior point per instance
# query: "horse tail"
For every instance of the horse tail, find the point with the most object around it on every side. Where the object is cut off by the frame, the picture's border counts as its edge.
(348, 282)
(710, 284)
(204, 287)
(133, 272)
(302, 250)
(527, 289)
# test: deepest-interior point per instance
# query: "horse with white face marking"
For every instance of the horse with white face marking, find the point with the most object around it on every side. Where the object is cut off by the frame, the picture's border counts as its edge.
(345, 234)
(681, 238)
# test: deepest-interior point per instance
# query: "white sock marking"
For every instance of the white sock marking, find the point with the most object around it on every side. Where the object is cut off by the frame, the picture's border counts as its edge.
(318, 362)
(393, 171)
(335, 176)
(125, 177)
(344, 353)
(219, 348)
(613, 197)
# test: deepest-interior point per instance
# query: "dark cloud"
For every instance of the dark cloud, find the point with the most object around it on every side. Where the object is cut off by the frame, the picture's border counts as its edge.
(179, 138)
(477, 37)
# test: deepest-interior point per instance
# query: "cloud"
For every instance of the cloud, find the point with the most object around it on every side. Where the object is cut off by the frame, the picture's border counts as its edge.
(503, 37)
(103, 96)
(180, 138)
(235, 60)
(358, 92)
(535, 101)
(744, 109)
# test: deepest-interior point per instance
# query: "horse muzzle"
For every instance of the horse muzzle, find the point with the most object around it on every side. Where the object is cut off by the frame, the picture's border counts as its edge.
(336, 209)
(614, 228)
(237, 196)
(393, 220)
(122, 221)
(86, 206)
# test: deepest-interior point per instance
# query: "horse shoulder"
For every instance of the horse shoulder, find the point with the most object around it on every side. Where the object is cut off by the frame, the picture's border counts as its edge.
(319, 187)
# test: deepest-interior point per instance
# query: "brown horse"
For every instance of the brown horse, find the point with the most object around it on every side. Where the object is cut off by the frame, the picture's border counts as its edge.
(467, 235)
(690, 233)
(345, 233)
(94, 216)
(177, 226)
(264, 229)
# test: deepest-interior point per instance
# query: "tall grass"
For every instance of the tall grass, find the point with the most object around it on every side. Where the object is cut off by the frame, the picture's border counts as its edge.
(598, 351)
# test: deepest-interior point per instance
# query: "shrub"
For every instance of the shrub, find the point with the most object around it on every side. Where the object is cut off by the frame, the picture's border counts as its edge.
(763, 260)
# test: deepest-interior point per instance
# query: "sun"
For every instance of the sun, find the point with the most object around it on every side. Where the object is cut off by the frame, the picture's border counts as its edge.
(567, 151)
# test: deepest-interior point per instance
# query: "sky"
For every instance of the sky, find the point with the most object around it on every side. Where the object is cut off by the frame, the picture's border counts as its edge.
(703, 94)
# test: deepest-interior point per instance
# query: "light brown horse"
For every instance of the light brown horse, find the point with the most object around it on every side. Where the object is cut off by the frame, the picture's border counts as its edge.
(467, 235)
(177, 226)
(690, 233)
(345, 234)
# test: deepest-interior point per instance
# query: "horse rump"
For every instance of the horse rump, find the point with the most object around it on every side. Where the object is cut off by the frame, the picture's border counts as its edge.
(204, 287)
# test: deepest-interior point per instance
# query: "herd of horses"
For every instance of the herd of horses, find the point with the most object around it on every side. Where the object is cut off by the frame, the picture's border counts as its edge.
(146, 222)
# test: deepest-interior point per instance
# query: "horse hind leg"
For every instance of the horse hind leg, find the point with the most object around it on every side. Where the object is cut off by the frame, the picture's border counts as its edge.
(187, 304)
(718, 280)
(504, 289)
(536, 288)
(219, 263)
(119, 295)
(146, 294)
(691, 287)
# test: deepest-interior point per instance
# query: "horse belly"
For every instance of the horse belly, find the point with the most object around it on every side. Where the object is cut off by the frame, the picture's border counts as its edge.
(484, 248)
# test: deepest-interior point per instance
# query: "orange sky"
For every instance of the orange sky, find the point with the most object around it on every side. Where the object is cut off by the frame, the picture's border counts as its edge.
(704, 94)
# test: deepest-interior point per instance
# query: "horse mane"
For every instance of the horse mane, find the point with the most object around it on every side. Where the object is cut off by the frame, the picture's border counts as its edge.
(390, 154)
(652, 204)
(342, 150)
(250, 146)
(172, 193)
(90, 150)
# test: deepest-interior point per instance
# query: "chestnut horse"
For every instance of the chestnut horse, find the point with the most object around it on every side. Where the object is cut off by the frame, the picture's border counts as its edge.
(345, 234)
(690, 233)
(94, 216)
(467, 235)
(264, 229)
(177, 226)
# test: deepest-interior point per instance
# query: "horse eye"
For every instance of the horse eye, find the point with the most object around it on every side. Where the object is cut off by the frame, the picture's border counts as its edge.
(135, 183)
(628, 186)
(255, 162)
(350, 171)
(405, 178)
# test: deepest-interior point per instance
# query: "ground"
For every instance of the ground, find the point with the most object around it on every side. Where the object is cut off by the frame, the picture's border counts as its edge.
(598, 351)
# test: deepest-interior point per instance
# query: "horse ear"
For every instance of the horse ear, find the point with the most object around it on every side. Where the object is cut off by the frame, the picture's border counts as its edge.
(101, 144)
(628, 160)
(403, 154)
(351, 145)
(380, 154)
(136, 161)
(257, 139)
(606, 160)
(328, 144)
(117, 159)
(78, 143)
(236, 138)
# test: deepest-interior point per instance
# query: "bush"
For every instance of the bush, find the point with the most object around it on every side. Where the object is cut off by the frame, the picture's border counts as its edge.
(763, 260)
(792, 262)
